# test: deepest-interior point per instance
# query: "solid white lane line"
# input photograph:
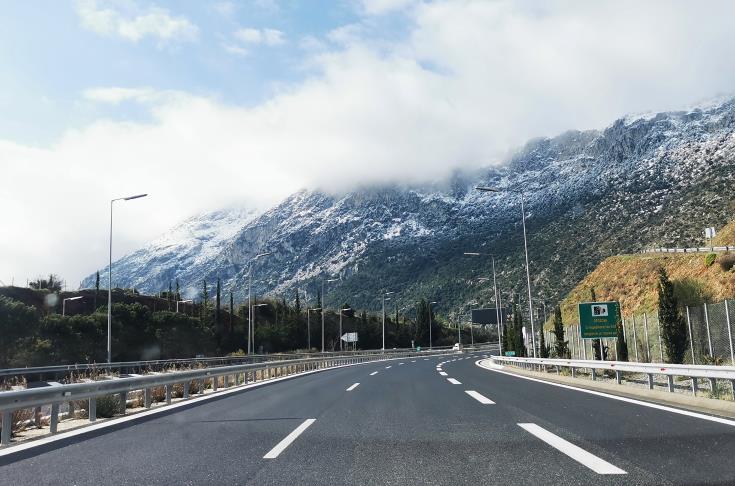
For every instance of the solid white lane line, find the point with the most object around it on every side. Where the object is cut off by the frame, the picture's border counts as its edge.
(413, 361)
(426, 359)
(281, 446)
(353, 387)
(373, 373)
(442, 373)
(399, 364)
(480, 398)
(711, 418)
(387, 367)
(453, 381)
(580, 455)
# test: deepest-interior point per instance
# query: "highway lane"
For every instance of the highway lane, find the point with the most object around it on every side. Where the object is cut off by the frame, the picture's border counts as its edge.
(397, 424)
(676, 448)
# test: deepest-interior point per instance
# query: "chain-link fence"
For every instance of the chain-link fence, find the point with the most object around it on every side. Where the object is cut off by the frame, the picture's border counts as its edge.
(710, 337)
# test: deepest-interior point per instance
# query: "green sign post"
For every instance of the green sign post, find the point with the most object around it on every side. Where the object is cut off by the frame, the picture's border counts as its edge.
(598, 319)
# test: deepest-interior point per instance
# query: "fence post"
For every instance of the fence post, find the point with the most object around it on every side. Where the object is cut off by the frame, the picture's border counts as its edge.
(660, 346)
(53, 426)
(706, 322)
(691, 339)
(645, 329)
(635, 341)
(584, 344)
(7, 427)
(729, 332)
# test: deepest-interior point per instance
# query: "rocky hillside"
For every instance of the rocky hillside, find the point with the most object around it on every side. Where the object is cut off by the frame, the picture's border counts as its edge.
(649, 180)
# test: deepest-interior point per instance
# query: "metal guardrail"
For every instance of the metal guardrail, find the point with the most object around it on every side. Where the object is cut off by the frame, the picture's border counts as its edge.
(31, 398)
(711, 373)
(703, 249)
(162, 364)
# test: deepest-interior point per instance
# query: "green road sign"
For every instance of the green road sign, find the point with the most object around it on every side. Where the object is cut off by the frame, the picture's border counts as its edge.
(598, 319)
(510, 353)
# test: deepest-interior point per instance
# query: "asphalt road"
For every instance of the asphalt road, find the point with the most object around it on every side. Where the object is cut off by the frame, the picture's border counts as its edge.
(407, 424)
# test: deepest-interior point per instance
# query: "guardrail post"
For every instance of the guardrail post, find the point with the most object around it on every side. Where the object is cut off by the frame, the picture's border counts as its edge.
(7, 427)
(594, 374)
(168, 394)
(618, 376)
(650, 381)
(147, 397)
(732, 388)
(92, 409)
(695, 386)
(574, 372)
(54, 423)
(671, 383)
(185, 390)
(215, 380)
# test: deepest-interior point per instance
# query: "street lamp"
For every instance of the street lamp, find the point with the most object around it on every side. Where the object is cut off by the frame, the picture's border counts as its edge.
(525, 247)
(251, 330)
(253, 310)
(384, 299)
(430, 312)
(308, 325)
(324, 307)
(189, 301)
(63, 304)
(341, 311)
(109, 275)
(495, 291)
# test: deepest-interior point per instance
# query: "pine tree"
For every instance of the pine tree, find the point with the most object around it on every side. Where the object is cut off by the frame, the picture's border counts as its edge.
(673, 327)
(560, 345)
(168, 296)
(297, 306)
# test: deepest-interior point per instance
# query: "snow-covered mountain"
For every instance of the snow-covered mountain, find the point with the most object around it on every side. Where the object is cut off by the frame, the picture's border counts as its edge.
(650, 179)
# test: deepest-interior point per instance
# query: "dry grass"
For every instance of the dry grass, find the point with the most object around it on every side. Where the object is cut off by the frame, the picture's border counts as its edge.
(725, 235)
(632, 280)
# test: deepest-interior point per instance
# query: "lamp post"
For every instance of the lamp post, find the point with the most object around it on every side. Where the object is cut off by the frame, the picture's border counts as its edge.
(251, 330)
(109, 280)
(63, 304)
(308, 325)
(341, 311)
(472, 334)
(189, 301)
(525, 248)
(497, 302)
(384, 299)
(253, 310)
(430, 312)
(324, 307)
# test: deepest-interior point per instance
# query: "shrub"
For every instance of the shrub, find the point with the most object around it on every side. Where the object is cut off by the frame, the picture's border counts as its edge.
(727, 262)
(108, 406)
(710, 259)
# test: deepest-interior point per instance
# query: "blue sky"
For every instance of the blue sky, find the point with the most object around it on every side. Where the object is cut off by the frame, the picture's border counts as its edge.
(50, 58)
(209, 104)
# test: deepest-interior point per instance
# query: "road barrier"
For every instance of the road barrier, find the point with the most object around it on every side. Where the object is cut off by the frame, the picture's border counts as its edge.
(694, 372)
(57, 372)
(230, 375)
(703, 249)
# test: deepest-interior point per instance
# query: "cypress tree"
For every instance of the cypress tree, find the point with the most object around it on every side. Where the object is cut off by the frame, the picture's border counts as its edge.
(620, 343)
(543, 350)
(203, 316)
(217, 309)
(673, 327)
(168, 297)
(96, 288)
(232, 310)
(178, 294)
(560, 345)
(596, 343)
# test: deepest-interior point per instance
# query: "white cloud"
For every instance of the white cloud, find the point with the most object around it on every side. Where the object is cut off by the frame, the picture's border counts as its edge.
(379, 7)
(268, 37)
(470, 81)
(128, 21)
(235, 49)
